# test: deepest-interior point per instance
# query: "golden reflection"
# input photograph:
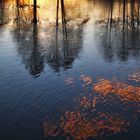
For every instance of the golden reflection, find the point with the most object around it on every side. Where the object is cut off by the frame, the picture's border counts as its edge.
(77, 12)
(124, 91)
(69, 80)
(87, 119)
(80, 127)
(46, 10)
(135, 76)
(88, 102)
(86, 79)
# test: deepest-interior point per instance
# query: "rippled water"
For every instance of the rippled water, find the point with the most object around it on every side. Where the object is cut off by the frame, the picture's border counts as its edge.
(79, 80)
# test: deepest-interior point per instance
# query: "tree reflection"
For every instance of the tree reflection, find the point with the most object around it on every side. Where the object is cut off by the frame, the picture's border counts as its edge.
(36, 59)
(55, 52)
(29, 48)
(60, 50)
(35, 12)
(119, 44)
(1, 11)
(64, 48)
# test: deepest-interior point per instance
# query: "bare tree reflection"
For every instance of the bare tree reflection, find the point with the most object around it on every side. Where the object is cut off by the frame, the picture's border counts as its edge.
(60, 50)
(17, 6)
(121, 41)
(35, 12)
(36, 60)
(63, 50)
(119, 44)
(57, 13)
(60, 54)
(1, 11)
(121, 37)
(63, 16)
(29, 48)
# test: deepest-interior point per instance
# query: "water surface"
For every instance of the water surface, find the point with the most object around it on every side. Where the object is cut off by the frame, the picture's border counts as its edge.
(78, 80)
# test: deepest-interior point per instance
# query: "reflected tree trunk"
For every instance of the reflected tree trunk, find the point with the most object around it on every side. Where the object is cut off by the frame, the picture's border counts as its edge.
(56, 50)
(36, 60)
(57, 13)
(35, 12)
(2, 10)
(111, 12)
(63, 18)
(119, 10)
(123, 14)
(132, 13)
(17, 5)
(138, 13)
(1, 4)
(62, 11)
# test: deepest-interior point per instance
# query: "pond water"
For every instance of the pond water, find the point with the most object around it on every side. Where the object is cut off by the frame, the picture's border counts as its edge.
(78, 80)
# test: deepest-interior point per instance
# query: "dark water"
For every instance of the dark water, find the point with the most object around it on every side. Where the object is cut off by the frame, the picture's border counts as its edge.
(80, 80)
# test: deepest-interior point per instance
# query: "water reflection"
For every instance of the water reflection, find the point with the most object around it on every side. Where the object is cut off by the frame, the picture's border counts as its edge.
(98, 107)
(135, 76)
(66, 49)
(64, 44)
(28, 46)
(33, 47)
(119, 26)
(77, 126)
(36, 58)
(126, 92)
(47, 12)
(125, 13)
(94, 116)
(119, 44)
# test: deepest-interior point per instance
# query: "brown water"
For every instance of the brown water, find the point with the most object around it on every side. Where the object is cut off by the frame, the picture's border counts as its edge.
(79, 80)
